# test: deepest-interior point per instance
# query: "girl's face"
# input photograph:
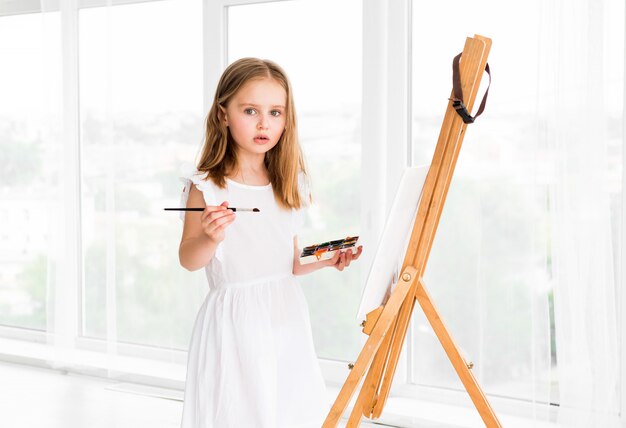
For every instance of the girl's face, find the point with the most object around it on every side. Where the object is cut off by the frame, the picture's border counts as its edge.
(256, 115)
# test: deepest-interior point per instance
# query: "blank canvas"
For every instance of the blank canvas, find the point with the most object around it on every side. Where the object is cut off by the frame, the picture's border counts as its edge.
(394, 240)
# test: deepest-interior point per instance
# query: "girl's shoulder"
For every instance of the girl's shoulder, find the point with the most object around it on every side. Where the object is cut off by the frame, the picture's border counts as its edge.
(188, 173)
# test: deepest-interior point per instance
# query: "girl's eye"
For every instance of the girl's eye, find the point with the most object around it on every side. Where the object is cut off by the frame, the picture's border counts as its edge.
(275, 113)
(249, 111)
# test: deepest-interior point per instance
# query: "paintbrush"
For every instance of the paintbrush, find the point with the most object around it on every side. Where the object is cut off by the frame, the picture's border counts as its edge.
(254, 210)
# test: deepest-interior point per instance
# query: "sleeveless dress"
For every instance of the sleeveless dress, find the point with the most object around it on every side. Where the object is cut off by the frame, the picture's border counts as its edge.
(251, 360)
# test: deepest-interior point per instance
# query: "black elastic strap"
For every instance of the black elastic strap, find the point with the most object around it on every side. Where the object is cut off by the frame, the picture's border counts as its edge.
(457, 101)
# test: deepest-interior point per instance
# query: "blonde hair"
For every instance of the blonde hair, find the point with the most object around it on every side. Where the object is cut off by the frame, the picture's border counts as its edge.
(284, 161)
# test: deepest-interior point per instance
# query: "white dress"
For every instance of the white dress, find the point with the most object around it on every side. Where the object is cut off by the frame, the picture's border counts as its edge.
(251, 359)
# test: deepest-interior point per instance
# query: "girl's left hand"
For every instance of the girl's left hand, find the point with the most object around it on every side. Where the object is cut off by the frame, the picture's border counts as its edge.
(342, 260)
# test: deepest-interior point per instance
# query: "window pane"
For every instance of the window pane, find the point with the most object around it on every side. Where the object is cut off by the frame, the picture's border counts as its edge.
(27, 162)
(324, 65)
(141, 116)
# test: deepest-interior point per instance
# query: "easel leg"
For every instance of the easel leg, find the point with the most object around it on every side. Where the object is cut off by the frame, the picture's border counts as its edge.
(374, 377)
(371, 346)
(357, 412)
(397, 341)
(369, 390)
(454, 355)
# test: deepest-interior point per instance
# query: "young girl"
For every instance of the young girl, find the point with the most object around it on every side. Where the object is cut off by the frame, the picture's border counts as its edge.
(251, 357)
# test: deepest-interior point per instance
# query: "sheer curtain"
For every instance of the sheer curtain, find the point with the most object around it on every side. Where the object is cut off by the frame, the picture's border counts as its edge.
(580, 106)
(488, 269)
(531, 213)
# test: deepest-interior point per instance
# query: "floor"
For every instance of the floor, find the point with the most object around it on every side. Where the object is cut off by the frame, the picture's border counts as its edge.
(37, 397)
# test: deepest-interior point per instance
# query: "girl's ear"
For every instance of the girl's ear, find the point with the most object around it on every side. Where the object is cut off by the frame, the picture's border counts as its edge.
(221, 114)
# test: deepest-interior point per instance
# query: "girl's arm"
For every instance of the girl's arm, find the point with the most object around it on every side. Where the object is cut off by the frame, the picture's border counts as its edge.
(299, 269)
(196, 247)
(339, 261)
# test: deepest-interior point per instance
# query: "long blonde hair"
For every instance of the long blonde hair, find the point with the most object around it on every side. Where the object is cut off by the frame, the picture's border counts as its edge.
(284, 161)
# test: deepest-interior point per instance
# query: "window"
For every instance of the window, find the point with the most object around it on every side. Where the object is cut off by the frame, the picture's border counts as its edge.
(28, 165)
(141, 117)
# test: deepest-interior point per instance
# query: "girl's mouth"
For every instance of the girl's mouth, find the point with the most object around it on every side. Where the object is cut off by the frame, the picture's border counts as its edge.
(261, 139)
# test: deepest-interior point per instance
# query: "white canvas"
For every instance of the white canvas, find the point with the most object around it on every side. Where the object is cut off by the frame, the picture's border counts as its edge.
(394, 240)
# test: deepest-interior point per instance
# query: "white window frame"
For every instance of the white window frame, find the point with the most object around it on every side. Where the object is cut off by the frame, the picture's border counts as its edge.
(621, 294)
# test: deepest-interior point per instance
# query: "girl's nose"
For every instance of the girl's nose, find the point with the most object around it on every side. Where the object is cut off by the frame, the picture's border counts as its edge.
(262, 123)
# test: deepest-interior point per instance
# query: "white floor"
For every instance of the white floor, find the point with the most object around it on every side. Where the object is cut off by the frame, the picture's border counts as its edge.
(35, 397)
(32, 397)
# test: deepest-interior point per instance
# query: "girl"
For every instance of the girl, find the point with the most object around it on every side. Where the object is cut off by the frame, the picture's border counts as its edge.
(251, 358)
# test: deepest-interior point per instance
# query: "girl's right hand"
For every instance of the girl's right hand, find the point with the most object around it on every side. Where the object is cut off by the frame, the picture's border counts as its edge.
(215, 219)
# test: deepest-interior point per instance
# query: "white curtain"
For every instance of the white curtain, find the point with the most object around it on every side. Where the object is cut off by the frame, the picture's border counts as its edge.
(531, 213)
(580, 102)
(487, 271)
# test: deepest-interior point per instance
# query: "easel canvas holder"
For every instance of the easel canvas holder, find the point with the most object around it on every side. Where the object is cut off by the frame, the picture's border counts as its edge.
(387, 325)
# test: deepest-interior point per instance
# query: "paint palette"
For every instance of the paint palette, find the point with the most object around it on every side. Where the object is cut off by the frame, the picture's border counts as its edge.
(319, 252)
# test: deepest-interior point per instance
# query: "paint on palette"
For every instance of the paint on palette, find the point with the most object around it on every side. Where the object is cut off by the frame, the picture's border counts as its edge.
(324, 251)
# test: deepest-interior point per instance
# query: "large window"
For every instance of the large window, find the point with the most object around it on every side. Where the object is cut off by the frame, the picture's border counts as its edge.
(324, 67)
(28, 164)
(139, 111)
(141, 117)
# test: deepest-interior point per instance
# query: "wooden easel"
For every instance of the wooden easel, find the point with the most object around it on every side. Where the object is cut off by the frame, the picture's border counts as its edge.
(387, 325)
